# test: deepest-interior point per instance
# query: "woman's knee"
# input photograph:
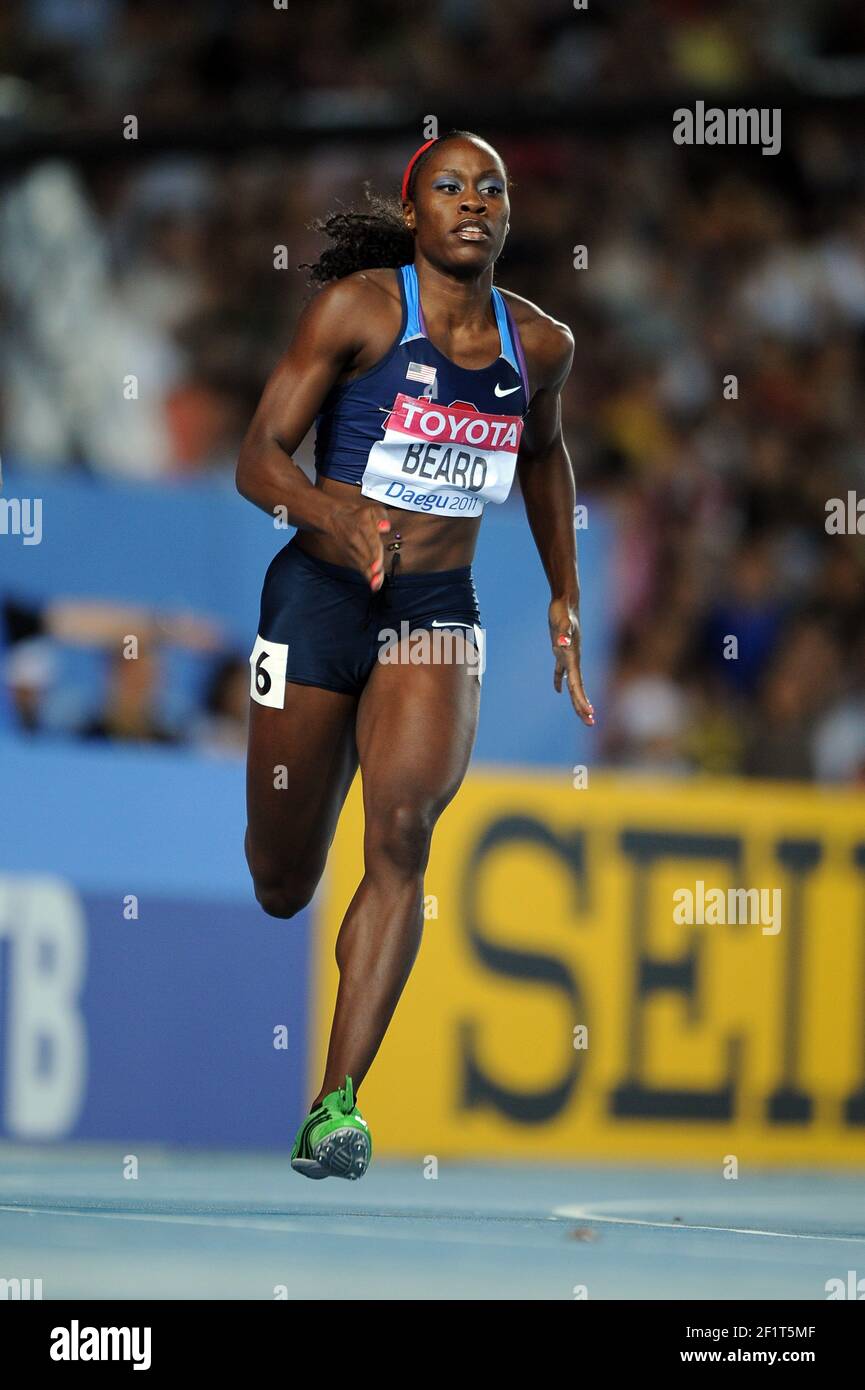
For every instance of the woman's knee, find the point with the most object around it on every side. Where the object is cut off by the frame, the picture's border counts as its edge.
(281, 892)
(284, 899)
(398, 836)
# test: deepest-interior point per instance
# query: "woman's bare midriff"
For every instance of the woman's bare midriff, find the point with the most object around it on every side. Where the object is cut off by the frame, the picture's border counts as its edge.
(427, 543)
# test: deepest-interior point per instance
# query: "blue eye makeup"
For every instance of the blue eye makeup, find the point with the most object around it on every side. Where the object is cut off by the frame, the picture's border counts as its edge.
(488, 185)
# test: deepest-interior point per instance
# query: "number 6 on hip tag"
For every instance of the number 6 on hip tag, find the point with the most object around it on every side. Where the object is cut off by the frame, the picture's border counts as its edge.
(267, 672)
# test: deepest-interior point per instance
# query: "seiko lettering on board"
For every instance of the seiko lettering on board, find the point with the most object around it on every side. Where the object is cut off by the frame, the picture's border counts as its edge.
(450, 459)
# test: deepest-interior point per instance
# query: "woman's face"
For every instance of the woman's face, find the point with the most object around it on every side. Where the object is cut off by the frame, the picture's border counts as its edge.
(462, 182)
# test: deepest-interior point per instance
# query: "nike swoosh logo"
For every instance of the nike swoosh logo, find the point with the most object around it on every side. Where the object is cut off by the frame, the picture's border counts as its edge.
(437, 624)
(509, 391)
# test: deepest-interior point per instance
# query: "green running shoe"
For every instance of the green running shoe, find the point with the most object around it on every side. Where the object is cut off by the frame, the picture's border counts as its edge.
(334, 1140)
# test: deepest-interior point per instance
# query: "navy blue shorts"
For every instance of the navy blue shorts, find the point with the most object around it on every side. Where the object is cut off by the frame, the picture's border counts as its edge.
(322, 624)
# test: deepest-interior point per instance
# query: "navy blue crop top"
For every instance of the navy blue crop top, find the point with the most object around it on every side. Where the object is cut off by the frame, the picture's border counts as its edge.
(419, 432)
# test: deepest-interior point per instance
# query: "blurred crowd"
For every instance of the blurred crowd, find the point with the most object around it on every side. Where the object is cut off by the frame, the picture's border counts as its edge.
(87, 59)
(715, 404)
(96, 669)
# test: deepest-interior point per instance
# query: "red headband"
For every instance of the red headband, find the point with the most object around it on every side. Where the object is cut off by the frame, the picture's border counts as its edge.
(408, 168)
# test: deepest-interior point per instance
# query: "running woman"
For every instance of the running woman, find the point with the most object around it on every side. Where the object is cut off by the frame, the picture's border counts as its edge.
(429, 389)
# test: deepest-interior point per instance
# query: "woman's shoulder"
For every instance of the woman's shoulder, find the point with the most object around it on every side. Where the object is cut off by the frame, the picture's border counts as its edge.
(547, 342)
(364, 288)
(347, 306)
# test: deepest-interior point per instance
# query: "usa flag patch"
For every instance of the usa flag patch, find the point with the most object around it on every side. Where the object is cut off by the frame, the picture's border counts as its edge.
(419, 371)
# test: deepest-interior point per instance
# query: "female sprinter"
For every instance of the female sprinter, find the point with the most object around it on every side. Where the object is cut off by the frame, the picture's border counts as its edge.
(429, 389)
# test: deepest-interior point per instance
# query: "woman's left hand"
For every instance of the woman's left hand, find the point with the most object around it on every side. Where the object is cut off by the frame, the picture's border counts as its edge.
(565, 634)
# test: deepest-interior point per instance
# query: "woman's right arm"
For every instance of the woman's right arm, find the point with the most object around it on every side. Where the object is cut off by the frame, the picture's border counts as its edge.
(328, 338)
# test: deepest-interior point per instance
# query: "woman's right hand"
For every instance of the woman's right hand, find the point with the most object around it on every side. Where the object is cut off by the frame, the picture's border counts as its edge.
(359, 532)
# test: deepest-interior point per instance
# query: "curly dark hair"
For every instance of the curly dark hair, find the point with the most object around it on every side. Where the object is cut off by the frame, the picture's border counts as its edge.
(377, 238)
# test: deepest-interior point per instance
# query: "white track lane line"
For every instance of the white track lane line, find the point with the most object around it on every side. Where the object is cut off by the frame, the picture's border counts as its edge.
(590, 1214)
(167, 1218)
(283, 1225)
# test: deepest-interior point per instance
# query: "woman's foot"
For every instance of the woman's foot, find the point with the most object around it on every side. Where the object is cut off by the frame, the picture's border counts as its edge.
(334, 1140)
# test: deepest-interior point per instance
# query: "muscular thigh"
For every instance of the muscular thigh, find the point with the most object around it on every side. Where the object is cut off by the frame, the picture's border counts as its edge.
(300, 764)
(416, 728)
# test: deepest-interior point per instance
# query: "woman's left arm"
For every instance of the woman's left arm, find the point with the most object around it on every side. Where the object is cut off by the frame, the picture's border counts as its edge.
(547, 483)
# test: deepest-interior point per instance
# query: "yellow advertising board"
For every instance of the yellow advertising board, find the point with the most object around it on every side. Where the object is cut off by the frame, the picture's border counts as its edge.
(632, 970)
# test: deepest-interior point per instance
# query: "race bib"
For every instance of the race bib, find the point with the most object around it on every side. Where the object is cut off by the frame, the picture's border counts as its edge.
(450, 460)
(267, 666)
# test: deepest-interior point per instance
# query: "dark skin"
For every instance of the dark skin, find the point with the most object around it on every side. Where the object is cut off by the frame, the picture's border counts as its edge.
(412, 729)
